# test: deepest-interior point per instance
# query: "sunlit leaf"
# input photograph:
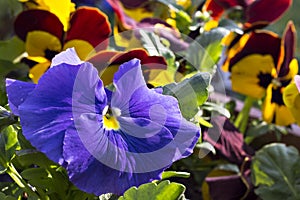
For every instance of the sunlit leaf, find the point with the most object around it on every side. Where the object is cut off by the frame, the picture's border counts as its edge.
(162, 191)
(172, 174)
(152, 43)
(8, 145)
(205, 148)
(205, 50)
(6, 118)
(190, 93)
(11, 49)
(213, 107)
(275, 171)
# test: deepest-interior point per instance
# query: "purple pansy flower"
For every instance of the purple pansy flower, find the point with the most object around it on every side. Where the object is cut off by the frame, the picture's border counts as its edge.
(107, 140)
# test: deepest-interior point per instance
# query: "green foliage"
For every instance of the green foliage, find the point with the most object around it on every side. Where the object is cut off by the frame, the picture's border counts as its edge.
(152, 191)
(8, 145)
(152, 43)
(204, 52)
(172, 174)
(5, 197)
(275, 171)
(6, 118)
(11, 49)
(190, 93)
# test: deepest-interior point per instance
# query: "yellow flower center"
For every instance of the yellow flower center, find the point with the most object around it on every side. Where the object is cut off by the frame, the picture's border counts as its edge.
(110, 121)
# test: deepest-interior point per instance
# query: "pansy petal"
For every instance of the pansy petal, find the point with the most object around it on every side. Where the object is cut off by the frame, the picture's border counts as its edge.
(61, 8)
(69, 57)
(228, 141)
(133, 4)
(283, 116)
(83, 48)
(260, 43)
(275, 113)
(291, 98)
(92, 176)
(17, 98)
(266, 10)
(232, 3)
(289, 95)
(49, 106)
(289, 44)
(129, 72)
(38, 70)
(96, 27)
(252, 75)
(226, 187)
(41, 20)
(107, 62)
(297, 82)
(39, 43)
(215, 9)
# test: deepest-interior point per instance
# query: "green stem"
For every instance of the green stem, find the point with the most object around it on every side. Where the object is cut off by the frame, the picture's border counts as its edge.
(241, 121)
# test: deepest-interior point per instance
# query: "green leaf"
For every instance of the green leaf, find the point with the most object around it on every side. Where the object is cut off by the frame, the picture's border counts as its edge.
(8, 145)
(28, 157)
(205, 50)
(11, 49)
(154, 46)
(172, 174)
(6, 118)
(5, 197)
(183, 21)
(190, 93)
(230, 25)
(152, 191)
(205, 148)
(275, 171)
(213, 107)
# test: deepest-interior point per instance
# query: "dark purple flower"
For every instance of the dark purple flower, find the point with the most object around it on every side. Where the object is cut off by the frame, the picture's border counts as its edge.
(107, 140)
(229, 143)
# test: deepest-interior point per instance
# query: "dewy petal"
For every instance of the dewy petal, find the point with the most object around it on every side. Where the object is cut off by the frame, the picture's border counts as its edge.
(17, 92)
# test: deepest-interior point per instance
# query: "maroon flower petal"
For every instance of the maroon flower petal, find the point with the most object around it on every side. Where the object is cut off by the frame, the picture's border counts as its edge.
(264, 43)
(289, 43)
(266, 10)
(227, 140)
(42, 20)
(96, 27)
